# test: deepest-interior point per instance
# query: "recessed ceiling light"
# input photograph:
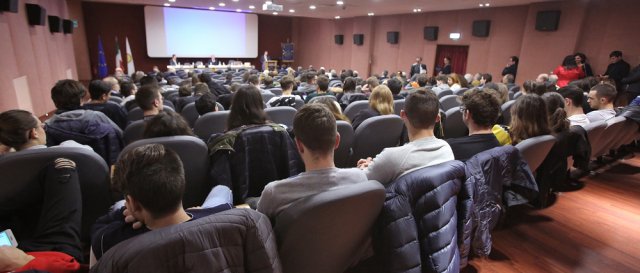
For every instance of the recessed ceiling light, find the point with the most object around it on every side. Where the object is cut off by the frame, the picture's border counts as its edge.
(172, 1)
(340, 3)
(212, 8)
(252, 7)
(481, 5)
(222, 4)
(238, 10)
(235, 0)
(292, 10)
(167, 4)
(337, 17)
(417, 10)
(487, 4)
(268, 2)
(312, 7)
(275, 13)
(371, 14)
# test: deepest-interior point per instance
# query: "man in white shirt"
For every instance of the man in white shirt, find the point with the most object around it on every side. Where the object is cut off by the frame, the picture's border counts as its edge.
(573, 98)
(420, 114)
(601, 99)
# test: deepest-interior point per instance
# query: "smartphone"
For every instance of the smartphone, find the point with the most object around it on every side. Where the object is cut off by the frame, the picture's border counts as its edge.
(7, 238)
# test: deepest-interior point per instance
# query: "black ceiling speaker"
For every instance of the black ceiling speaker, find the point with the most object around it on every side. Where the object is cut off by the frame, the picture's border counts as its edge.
(548, 20)
(481, 28)
(36, 15)
(55, 24)
(339, 39)
(9, 6)
(358, 39)
(67, 26)
(393, 37)
(431, 33)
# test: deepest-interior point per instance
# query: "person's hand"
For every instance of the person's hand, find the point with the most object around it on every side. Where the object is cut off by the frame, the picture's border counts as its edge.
(4, 149)
(130, 219)
(12, 258)
(364, 163)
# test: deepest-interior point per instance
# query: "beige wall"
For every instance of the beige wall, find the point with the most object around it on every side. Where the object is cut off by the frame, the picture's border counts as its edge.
(32, 59)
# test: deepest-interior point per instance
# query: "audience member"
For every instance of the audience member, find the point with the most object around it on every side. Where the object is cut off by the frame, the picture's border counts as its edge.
(151, 177)
(533, 87)
(307, 83)
(395, 86)
(526, 125)
(148, 80)
(247, 108)
(316, 139)
(542, 78)
(512, 67)
(480, 112)
(128, 91)
(371, 83)
(633, 84)
(114, 85)
(600, 99)
(334, 107)
(206, 103)
(442, 83)
(149, 99)
(617, 70)
(287, 98)
(446, 69)
(100, 93)
(558, 123)
(509, 81)
(166, 123)
(323, 89)
(420, 114)
(573, 98)
(581, 61)
(255, 81)
(380, 103)
(454, 82)
(214, 87)
(569, 71)
(485, 78)
(349, 93)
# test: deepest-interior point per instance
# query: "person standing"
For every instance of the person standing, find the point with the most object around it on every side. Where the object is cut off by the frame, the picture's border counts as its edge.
(446, 70)
(617, 69)
(264, 60)
(174, 60)
(581, 61)
(418, 67)
(512, 67)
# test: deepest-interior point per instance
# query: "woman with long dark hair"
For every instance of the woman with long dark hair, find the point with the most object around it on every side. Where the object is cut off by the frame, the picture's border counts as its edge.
(581, 61)
(569, 71)
(528, 118)
(247, 108)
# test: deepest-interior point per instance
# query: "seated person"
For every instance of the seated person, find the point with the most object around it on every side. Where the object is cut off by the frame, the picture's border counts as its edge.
(573, 98)
(323, 89)
(149, 99)
(441, 83)
(380, 103)
(334, 107)
(21, 130)
(114, 85)
(247, 108)
(206, 103)
(254, 80)
(128, 91)
(152, 179)
(316, 139)
(99, 92)
(307, 83)
(420, 114)
(480, 111)
(524, 125)
(185, 93)
(166, 123)
(349, 93)
(286, 99)
(395, 86)
(371, 83)
(601, 99)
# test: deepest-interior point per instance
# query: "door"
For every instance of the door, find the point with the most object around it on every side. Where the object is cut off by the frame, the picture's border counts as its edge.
(458, 55)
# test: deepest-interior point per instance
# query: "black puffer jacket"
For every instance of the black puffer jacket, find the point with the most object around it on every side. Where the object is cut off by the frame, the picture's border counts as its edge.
(416, 230)
(496, 179)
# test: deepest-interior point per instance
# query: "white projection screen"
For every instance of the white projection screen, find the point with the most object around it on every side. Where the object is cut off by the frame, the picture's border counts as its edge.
(193, 33)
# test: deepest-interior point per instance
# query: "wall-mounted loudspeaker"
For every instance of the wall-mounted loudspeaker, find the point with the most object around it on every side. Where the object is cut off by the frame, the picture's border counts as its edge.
(67, 26)
(55, 24)
(9, 6)
(548, 20)
(393, 37)
(339, 39)
(36, 15)
(481, 28)
(358, 39)
(431, 33)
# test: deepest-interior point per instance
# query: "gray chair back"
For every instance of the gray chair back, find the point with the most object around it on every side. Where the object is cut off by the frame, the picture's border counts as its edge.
(21, 171)
(444, 93)
(211, 123)
(460, 91)
(398, 105)
(386, 129)
(608, 139)
(267, 96)
(133, 131)
(534, 150)
(281, 115)
(355, 107)
(190, 114)
(506, 112)
(454, 126)
(450, 101)
(220, 107)
(299, 103)
(341, 154)
(594, 131)
(320, 233)
(194, 155)
(517, 95)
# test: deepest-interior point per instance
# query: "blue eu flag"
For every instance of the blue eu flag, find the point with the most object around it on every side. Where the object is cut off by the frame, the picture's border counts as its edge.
(102, 62)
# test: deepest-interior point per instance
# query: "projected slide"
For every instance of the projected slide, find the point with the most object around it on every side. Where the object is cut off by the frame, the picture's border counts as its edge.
(200, 33)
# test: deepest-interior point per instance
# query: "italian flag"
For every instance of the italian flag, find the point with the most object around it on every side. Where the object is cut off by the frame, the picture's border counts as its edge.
(119, 62)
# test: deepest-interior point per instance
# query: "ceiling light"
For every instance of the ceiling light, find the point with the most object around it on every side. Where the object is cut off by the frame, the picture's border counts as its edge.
(487, 4)
(275, 13)
(235, 0)
(222, 4)
(371, 14)
(167, 4)
(268, 2)
(481, 5)
(212, 8)
(340, 3)
(417, 10)
(312, 7)
(172, 1)
(337, 17)
(454, 35)
(238, 10)
(292, 10)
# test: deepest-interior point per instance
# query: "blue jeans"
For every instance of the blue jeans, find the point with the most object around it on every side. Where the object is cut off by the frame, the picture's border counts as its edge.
(217, 196)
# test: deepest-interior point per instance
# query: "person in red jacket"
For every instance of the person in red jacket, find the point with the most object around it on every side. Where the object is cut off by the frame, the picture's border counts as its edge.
(569, 71)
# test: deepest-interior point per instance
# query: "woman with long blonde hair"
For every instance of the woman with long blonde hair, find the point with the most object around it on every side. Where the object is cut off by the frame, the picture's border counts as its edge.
(380, 103)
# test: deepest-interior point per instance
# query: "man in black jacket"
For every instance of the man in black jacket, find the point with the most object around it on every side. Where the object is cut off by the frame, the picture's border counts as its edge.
(418, 67)
(512, 67)
(617, 69)
(633, 84)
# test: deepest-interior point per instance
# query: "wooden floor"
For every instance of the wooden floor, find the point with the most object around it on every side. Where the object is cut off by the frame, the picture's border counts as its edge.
(594, 229)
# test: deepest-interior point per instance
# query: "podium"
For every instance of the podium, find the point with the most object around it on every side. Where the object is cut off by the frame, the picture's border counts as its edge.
(271, 65)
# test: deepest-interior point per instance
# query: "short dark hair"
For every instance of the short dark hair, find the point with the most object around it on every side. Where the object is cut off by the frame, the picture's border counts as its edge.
(126, 88)
(286, 83)
(483, 106)
(422, 107)
(349, 84)
(510, 78)
(200, 88)
(422, 80)
(582, 56)
(615, 53)
(206, 103)
(148, 80)
(147, 95)
(68, 94)
(395, 86)
(267, 80)
(247, 108)
(14, 127)
(323, 83)
(569, 62)
(487, 77)
(153, 176)
(98, 88)
(442, 78)
(185, 90)
(166, 123)
(315, 126)
(515, 59)
(605, 90)
(253, 79)
(205, 77)
(574, 93)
